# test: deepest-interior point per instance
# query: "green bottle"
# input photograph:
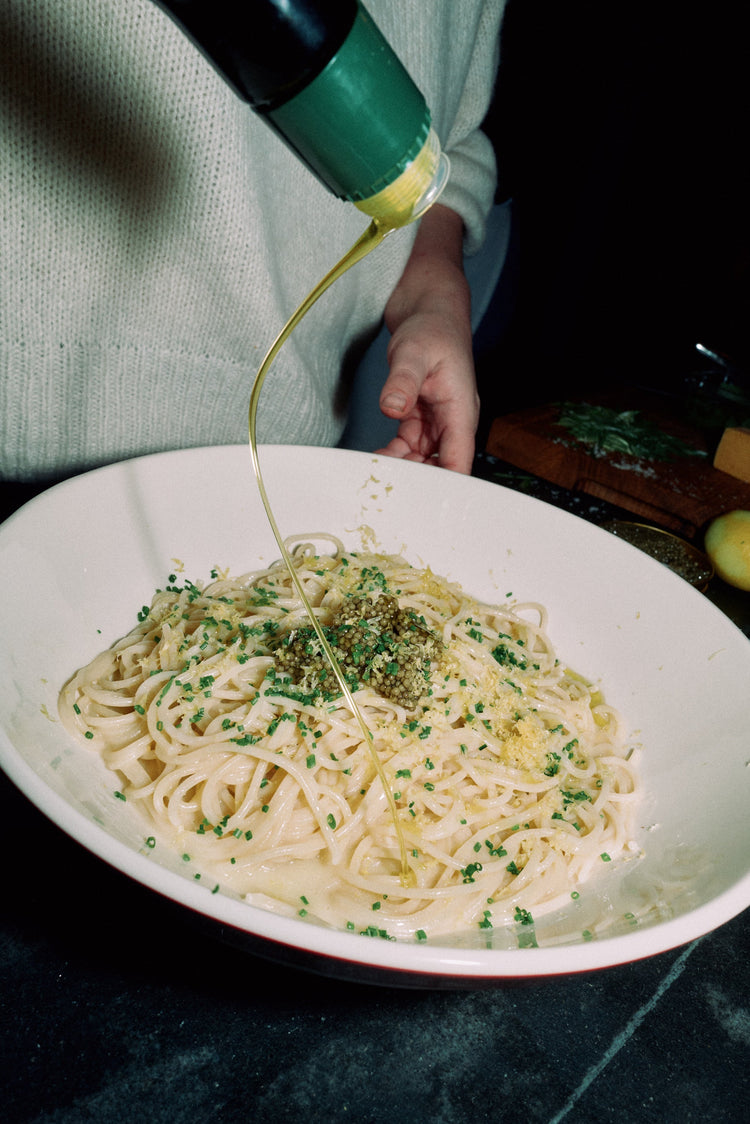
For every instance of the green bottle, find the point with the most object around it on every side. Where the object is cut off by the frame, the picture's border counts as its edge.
(323, 76)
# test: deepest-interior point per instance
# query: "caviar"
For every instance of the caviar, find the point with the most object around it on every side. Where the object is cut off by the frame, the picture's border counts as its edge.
(377, 644)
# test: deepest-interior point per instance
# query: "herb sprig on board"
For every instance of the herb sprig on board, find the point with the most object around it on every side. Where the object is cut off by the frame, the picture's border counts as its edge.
(605, 430)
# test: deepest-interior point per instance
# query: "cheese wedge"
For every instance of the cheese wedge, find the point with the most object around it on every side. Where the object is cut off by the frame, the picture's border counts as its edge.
(733, 453)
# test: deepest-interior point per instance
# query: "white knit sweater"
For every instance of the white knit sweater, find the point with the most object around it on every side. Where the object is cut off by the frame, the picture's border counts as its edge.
(155, 235)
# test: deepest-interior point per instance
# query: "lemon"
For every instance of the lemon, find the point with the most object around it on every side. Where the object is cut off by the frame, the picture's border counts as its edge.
(728, 546)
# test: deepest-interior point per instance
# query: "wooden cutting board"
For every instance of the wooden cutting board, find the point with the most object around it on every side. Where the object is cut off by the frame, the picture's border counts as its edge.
(681, 494)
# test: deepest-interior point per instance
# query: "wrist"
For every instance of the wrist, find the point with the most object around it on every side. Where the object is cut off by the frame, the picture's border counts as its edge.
(433, 280)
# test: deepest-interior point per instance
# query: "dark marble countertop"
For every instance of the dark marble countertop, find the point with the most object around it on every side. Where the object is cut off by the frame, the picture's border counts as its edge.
(116, 1006)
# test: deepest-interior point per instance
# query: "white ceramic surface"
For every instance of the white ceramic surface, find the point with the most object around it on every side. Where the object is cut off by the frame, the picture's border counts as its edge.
(79, 561)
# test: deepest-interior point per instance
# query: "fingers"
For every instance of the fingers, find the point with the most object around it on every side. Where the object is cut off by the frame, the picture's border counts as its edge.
(431, 391)
(456, 451)
(401, 450)
(453, 449)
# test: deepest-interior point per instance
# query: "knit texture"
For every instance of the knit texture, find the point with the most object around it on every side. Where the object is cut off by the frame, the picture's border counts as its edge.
(156, 235)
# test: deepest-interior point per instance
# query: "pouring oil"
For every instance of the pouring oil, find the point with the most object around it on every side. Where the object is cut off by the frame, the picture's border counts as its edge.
(398, 204)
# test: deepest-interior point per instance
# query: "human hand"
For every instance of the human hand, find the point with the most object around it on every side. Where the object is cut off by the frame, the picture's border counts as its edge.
(431, 388)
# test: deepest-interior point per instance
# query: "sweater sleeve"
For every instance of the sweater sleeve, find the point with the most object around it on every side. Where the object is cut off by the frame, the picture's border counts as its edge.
(452, 52)
(471, 188)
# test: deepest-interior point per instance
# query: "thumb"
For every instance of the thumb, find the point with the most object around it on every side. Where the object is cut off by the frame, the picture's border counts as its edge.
(402, 387)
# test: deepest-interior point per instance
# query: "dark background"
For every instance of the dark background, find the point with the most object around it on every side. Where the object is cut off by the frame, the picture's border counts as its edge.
(621, 134)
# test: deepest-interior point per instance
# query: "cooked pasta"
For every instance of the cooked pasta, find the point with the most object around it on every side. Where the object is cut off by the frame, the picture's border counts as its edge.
(509, 774)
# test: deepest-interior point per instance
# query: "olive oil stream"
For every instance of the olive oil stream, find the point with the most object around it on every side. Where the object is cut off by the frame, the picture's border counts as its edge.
(372, 237)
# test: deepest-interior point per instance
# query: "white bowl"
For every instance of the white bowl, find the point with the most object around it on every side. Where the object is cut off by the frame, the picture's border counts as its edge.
(79, 560)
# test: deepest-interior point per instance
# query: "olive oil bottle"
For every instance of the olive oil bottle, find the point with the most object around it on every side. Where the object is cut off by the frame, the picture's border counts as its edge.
(325, 79)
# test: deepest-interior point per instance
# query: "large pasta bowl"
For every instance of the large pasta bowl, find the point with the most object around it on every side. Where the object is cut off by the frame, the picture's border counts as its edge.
(79, 560)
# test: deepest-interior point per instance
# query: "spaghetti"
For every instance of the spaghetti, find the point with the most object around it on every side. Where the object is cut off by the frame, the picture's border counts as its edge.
(509, 774)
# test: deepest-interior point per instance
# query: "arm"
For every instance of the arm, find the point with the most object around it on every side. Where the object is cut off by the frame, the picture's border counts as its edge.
(431, 387)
